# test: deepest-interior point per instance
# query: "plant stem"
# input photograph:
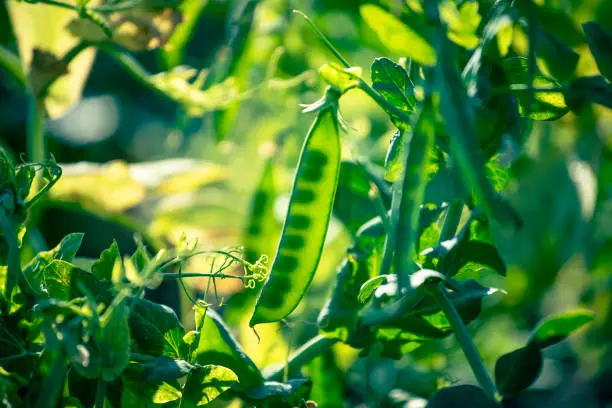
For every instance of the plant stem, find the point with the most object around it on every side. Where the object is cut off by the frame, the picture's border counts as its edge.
(303, 355)
(12, 64)
(36, 146)
(465, 341)
(202, 275)
(451, 222)
(13, 263)
(383, 103)
(100, 394)
(130, 64)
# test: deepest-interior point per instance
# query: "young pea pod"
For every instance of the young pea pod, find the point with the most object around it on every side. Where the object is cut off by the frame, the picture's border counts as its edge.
(306, 223)
(413, 192)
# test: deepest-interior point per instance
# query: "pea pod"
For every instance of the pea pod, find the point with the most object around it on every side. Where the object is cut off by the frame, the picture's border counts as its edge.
(413, 192)
(308, 215)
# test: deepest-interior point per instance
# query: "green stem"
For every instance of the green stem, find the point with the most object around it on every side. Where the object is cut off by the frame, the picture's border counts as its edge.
(100, 394)
(12, 64)
(383, 103)
(130, 64)
(389, 247)
(36, 145)
(202, 275)
(465, 341)
(451, 222)
(13, 263)
(303, 355)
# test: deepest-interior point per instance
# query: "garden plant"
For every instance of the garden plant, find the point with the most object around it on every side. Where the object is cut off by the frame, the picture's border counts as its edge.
(373, 204)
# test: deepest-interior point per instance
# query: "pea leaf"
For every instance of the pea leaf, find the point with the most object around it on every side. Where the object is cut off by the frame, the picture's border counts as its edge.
(557, 328)
(218, 346)
(600, 44)
(397, 37)
(559, 59)
(545, 105)
(461, 396)
(103, 267)
(369, 287)
(592, 89)
(274, 393)
(558, 23)
(340, 78)
(165, 368)
(517, 370)
(156, 330)
(206, 383)
(462, 22)
(393, 83)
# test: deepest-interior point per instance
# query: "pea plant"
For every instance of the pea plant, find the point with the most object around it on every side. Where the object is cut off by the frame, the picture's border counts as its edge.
(477, 211)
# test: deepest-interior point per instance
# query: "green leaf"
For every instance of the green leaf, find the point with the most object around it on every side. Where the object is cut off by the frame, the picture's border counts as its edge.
(462, 22)
(545, 105)
(353, 205)
(103, 267)
(338, 317)
(394, 165)
(165, 368)
(340, 78)
(156, 330)
(517, 370)
(40, 27)
(393, 83)
(183, 84)
(559, 23)
(204, 384)
(369, 287)
(290, 393)
(397, 37)
(600, 44)
(557, 328)
(112, 340)
(593, 89)
(559, 59)
(217, 345)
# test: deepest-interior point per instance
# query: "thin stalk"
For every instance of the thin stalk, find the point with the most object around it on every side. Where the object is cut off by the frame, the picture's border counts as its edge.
(466, 342)
(303, 355)
(130, 64)
(13, 263)
(100, 394)
(382, 102)
(203, 275)
(11, 63)
(36, 144)
(389, 247)
(451, 222)
(327, 43)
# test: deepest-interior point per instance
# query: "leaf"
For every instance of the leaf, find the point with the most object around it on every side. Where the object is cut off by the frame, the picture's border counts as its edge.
(394, 165)
(558, 23)
(462, 22)
(103, 267)
(557, 328)
(517, 370)
(204, 384)
(156, 330)
(393, 83)
(397, 37)
(43, 27)
(461, 396)
(196, 102)
(545, 105)
(112, 339)
(218, 346)
(559, 59)
(165, 369)
(340, 78)
(600, 44)
(274, 393)
(353, 205)
(369, 287)
(593, 89)
(108, 187)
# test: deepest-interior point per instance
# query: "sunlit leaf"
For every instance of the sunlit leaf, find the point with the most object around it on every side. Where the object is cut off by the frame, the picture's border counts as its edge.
(206, 383)
(557, 328)
(397, 37)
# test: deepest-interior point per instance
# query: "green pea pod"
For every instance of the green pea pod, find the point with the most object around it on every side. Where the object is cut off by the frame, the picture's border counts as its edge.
(413, 191)
(261, 225)
(303, 235)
